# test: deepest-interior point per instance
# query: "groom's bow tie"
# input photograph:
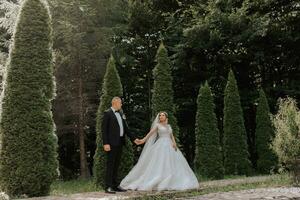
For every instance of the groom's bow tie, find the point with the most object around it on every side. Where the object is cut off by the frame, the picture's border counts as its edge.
(117, 111)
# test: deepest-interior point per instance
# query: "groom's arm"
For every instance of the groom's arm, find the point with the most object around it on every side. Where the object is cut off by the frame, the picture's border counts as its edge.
(132, 136)
(105, 128)
(128, 132)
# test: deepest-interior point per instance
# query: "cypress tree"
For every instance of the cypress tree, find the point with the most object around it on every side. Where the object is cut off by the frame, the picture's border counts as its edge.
(264, 134)
(236, 153)
(28, 163)
(162, 98)
(111, 87)
(208, 155)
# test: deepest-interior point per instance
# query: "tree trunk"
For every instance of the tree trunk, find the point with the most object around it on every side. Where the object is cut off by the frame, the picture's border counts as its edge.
(84, 171)
(296, 172)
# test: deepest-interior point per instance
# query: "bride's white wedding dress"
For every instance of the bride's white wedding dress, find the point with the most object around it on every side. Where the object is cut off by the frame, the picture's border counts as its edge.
(160, 166)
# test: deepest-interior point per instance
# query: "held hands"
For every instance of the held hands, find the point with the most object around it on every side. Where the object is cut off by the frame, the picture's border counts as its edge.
(139, 141)
(107, 148)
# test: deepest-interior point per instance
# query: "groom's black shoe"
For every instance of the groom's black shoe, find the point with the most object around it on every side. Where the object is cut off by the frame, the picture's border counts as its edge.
(110, 190)
(119, 189)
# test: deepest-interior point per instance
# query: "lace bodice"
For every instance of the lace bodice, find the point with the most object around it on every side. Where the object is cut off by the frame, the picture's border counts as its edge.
(164, 130)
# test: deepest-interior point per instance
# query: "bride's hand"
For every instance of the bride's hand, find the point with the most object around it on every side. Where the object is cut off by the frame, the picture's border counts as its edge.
(143, 140)
(174, 146)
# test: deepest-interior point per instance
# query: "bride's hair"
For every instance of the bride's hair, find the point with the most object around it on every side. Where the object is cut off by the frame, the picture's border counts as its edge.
(165, 113)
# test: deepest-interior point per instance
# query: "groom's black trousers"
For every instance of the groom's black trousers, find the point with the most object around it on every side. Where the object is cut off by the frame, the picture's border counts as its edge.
(112, 165)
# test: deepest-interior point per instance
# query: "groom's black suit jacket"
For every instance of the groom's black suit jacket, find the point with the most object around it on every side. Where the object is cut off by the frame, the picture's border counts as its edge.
(111, 129)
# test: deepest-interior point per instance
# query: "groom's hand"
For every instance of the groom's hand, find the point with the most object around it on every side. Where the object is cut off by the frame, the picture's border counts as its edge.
(106, 147)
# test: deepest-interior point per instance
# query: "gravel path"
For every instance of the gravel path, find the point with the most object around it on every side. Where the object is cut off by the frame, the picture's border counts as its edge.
(255, 194)
(226, 182)
(284, 193)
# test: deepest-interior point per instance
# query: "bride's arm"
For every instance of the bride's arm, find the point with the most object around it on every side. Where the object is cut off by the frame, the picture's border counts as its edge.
(174, 141)
(149, 134)
(173, 138)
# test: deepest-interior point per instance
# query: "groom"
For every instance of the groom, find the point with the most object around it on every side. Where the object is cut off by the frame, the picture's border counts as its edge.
(114, 129)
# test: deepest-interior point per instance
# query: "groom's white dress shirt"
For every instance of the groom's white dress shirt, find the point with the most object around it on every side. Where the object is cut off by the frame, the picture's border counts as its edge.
(120, 122)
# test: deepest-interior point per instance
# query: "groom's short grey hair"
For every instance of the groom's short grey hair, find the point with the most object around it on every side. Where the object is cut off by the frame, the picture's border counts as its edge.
(115, 99)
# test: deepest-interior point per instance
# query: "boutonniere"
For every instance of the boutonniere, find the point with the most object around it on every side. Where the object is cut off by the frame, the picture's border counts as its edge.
(124, 116)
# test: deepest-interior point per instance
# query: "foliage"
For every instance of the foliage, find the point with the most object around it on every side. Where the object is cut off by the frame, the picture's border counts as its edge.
(236, 156)
(286, 143)
(209, 157)
(264, 133)
(28, 163)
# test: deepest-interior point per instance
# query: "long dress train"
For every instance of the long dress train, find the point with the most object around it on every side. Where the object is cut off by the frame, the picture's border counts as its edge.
(161, 168)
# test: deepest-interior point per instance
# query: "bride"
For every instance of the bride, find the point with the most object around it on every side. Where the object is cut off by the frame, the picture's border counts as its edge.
(161, 165)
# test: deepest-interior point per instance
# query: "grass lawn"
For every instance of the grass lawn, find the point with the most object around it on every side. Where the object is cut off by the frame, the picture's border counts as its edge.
(74, 186)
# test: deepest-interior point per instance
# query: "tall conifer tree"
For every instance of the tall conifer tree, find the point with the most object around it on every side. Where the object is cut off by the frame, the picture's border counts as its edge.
(236, 155)
(162, 98)
(264, 134)
(28, 163)
(208, 155)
